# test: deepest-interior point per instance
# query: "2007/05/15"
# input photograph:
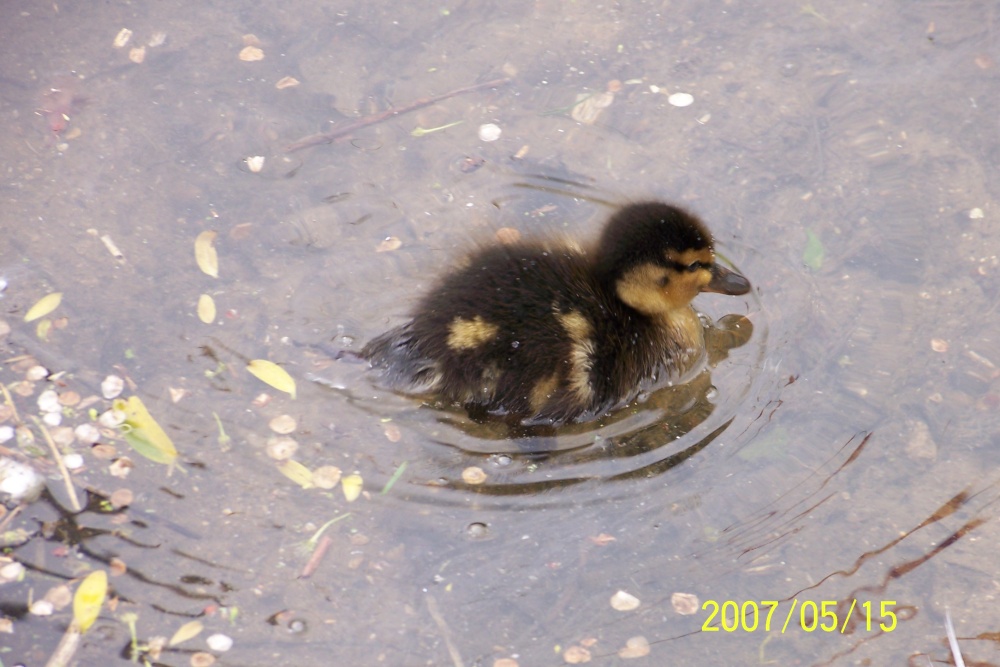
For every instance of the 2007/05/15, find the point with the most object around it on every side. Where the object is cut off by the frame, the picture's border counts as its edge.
(745, 617)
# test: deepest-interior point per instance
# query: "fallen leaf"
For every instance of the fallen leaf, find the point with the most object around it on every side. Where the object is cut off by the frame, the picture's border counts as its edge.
(205, 255)
(352, 485)
(189, 630)
(206, 309)
(271, 373)
(43, 306)
(144, 434)
(89, 599)
(297, 472)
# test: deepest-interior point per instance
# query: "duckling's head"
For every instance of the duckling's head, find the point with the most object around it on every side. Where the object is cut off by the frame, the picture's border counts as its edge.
(657, 258)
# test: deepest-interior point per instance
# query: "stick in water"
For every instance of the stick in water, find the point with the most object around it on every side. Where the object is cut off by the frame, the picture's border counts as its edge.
(341, 132)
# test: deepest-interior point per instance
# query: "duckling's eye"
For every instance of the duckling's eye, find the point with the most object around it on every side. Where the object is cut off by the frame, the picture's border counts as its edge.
(693, 266)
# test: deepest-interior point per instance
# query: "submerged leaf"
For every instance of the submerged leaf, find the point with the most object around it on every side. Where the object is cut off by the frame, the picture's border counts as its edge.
(205, 255)
(272, 374)
(144, 434)
(812, 256)
(43, 306)
(189, 630)
(351, 486)
(297, 472)
(206, 309)
(89, 598)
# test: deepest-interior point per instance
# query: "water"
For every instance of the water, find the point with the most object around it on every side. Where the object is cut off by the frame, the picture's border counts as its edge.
(843, 155)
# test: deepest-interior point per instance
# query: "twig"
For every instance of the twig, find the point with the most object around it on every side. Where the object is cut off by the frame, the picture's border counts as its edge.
(73, 500)
(432, 607)
(341, 132)
(67, 647)
(4, 522)
(956, 653)
(316, 557)
(9, 402)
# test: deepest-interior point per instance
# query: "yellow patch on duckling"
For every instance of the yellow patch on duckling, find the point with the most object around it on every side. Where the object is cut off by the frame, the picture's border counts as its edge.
(542, 391)
(466, 334)
(581, 354)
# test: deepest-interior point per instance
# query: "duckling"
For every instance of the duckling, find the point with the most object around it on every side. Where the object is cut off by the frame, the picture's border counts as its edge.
(543, 333)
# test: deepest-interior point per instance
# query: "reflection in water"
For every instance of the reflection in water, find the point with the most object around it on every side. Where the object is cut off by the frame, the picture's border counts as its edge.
(645, 439)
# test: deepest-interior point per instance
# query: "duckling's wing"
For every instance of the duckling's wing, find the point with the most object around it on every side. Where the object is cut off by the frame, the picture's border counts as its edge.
(399, 365)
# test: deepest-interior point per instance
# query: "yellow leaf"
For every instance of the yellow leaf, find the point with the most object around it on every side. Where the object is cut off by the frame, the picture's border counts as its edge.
(204, 253)
(43, 306)
(352, 485)
(143, 433)
(272, 374)
(206, 309)
(189, 630)
(43, 328)
(297, 472)
(89, 598)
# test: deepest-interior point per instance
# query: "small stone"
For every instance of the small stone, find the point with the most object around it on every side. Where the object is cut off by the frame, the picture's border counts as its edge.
(685, 604)
(489, 132)
(281, 449)
(255, 163)
(622, 601)
(219, 642)
(681, 99)
(939, 345)
(202, 658)
(976, 214)
(121, 498)
(73, 461)
(87, 434)
(287, 82)
(36, 373)
(283, 424)
(112, 386)
(121, 467)
(920, 443)
(575, 655)
(326, 477)
(635, 647)
(63, 436)
(11, 572)
(251, 54)
(41, 608)
(69, 398)
(121, 39)
(111, 418)
(508, 235)
(473, 475)
(389, 244)
(48, 401)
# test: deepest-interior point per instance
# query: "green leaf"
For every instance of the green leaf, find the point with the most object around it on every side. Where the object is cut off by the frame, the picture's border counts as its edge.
(144, 434)
(812, 256)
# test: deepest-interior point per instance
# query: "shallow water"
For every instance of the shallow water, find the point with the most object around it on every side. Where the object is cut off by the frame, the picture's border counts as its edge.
(843, 155)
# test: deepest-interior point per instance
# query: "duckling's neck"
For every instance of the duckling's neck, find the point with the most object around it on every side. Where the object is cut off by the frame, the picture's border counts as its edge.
(683, 327)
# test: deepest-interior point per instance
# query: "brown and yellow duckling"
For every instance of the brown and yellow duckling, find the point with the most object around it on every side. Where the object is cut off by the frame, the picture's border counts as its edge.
(544, 333)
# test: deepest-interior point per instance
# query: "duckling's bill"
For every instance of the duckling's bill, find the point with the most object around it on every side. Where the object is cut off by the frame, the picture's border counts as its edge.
(728, 282)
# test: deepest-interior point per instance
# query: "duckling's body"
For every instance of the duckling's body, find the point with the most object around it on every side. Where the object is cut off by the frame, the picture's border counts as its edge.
(546, 333)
